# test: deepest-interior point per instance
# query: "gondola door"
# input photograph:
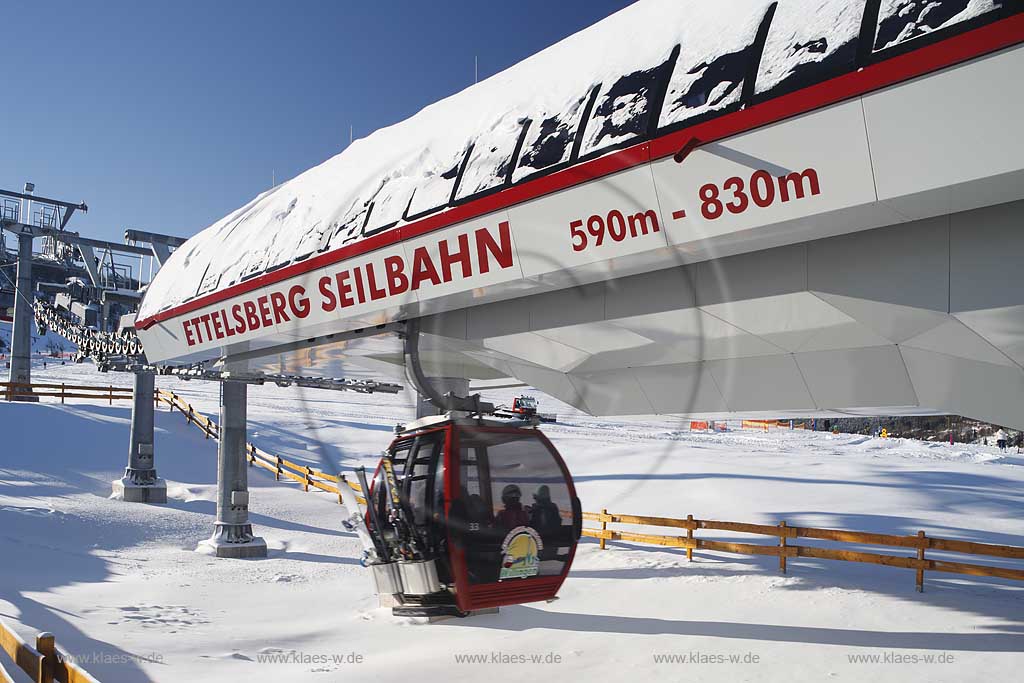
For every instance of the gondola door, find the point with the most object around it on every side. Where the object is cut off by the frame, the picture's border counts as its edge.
(419, 465)
(513, 520)
(423, 494)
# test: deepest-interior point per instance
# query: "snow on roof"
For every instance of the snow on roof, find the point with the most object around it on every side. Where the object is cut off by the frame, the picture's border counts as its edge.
(610, 72)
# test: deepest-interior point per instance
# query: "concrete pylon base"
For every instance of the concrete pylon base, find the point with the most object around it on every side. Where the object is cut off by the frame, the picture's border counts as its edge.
(130, 492)
(256, 548)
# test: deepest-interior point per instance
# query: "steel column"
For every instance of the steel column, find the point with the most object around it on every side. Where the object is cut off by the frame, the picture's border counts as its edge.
(21, 336)
(232, 535)
(140, 483)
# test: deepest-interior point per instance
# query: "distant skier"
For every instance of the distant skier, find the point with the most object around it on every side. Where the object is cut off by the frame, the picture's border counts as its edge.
(1001, 440)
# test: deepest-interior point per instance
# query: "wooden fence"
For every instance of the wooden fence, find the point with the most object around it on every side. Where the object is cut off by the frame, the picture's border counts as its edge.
(308, 478)
(43, 663)
(110, 393)
(303, 474)
(784, 550)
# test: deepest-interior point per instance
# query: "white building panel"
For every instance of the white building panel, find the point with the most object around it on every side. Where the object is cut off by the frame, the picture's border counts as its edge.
(847, 378)
(661, 290)
(1002, 327)
(962, 387)
(927, 134)
(748, 276)
(595, 338)
(953, 338)
(894, 322)
(567, 306)
(534, 348)
(787, 320)
(844, 336)
(601, 222)
(808, 165)
(754, 383)
(681, 388)
(555, 383)
(908, 265)
(615, 392)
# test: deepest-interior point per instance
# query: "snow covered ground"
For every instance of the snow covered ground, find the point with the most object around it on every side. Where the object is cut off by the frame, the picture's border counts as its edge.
(120, 584)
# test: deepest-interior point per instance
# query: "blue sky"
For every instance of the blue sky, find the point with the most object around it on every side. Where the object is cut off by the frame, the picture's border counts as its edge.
(165, 116)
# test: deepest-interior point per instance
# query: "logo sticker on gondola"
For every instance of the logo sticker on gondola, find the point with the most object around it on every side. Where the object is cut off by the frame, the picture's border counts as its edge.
(520, 554)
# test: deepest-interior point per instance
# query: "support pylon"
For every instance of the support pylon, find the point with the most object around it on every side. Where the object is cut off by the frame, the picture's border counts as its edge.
(232, 534)
(21, 335)
(140, 483)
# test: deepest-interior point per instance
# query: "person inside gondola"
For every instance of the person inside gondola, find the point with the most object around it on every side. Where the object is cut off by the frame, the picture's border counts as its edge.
(477, 512)
(544, 514)
(547, 520)
(514, 514)
(469, 513)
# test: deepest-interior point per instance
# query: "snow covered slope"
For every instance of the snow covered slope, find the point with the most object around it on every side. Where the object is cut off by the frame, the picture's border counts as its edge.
(41, 344)
(121, 583)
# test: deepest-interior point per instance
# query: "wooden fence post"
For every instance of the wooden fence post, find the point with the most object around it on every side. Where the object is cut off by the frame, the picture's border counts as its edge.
(782, 547)
(62, 393)
(689, 537)
(110, 393)
(921, 543)
(188, 416)
(342, 482)
(305, 484)
(47, 647)
(604, 526)
(277, 474)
